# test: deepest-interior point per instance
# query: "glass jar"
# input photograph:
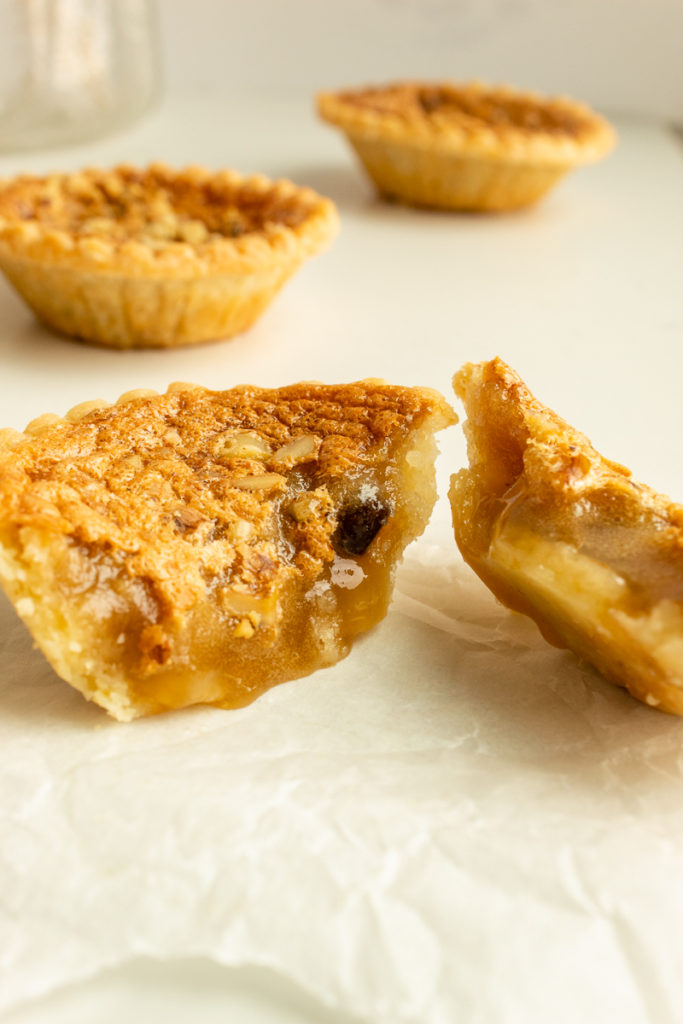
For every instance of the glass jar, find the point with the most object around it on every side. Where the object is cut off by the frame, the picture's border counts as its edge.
(74, 69)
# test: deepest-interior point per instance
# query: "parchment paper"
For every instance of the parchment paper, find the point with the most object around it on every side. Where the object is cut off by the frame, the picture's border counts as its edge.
(457, 823)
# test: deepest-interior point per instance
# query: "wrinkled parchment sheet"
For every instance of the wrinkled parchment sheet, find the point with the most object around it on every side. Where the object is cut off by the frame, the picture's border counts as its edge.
(457, 823)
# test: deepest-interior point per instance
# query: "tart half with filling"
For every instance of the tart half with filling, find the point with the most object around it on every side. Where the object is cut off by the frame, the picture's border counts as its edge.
(465, 146)
(198, 547)
(155, 257)
(567, 537)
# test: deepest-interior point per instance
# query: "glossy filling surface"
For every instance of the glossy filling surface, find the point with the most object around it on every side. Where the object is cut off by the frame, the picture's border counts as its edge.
(585, 603)
(634, 556)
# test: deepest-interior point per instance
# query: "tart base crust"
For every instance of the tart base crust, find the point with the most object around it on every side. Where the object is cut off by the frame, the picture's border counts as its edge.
(446, 181)
(125, 313)
(561, 534)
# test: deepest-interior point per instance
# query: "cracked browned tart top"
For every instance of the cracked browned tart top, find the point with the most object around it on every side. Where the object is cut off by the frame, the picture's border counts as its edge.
(183, 484)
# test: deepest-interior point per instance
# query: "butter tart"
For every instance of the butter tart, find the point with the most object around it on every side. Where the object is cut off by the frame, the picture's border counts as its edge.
(465, 146)
(199, 547)
(567, 537)
(155, 257)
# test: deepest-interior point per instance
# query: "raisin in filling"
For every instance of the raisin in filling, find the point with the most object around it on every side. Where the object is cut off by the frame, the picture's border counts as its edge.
(358, 524)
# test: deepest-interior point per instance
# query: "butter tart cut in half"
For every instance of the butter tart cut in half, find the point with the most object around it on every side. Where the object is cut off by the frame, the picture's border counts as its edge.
(565, 536)
(154, 257)
(199, 547)
(465, 146)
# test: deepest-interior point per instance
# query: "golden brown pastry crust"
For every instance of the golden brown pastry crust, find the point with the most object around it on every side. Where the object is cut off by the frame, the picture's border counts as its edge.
(466, 146)
(237, 503)
(153, 256)
(564, 535)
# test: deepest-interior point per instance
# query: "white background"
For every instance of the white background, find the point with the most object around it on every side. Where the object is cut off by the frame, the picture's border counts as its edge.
(457, 824)
(621, 54)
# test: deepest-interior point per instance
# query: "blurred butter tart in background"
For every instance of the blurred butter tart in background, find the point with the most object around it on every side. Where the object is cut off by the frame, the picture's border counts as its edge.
(154, 257)
(465, 146)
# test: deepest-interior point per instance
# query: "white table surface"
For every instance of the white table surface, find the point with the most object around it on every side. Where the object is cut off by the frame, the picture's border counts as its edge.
(582, 295)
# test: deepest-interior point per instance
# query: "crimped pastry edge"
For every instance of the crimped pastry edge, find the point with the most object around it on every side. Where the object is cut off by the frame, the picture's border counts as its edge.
(10, 438)
(274, 243)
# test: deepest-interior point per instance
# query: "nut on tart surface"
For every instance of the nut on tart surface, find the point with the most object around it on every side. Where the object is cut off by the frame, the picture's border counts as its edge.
(564, 535)
(199, 547)
(465, 146)
(155, 257)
